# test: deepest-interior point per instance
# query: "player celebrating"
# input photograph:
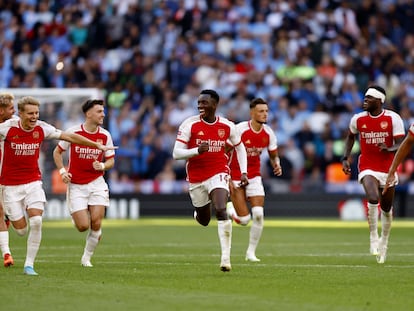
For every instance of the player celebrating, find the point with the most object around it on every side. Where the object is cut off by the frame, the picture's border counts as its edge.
(6, 112)
(256, 136)
(380, 133)
(20, 174)
(202, 140)
(88, 193)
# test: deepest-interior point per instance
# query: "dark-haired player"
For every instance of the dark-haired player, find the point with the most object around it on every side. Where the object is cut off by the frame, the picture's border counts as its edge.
(256, 137)
(88, 193)
(381, 132)
(201, 139)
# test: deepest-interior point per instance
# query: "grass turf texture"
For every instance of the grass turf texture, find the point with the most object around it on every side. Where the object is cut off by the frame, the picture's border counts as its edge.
(173, 264)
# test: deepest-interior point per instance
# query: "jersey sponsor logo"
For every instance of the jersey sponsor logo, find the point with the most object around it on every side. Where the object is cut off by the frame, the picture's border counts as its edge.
(364, 126)
(372, 137)
(247, 142)
(87, 152)
(201, 133)
(213, 145)
(24, 149)
(254, 152)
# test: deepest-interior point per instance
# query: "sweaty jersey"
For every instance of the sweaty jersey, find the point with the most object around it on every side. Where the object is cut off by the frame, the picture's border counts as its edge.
(374, 130)
(193, 131)
(20, 150)
(255, 143)
(81, 157)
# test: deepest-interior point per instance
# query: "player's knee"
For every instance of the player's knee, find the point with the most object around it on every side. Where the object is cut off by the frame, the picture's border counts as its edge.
(21, 231)
(244, 220)
(202, 216)
(203, 222)
(258, 214)
(82, 227)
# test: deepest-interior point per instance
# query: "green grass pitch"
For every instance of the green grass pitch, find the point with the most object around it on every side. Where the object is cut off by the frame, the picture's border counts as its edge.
(173, 264)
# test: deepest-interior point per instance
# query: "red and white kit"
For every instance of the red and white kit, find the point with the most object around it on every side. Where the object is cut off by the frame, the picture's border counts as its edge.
(193, 132)
(20, 151)
(374, 130)
(255, 143)
(82, 157)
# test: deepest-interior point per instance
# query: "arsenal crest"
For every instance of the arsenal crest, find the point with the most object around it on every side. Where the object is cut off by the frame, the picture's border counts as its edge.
(36, 135)
(384, 125)
(221, 133)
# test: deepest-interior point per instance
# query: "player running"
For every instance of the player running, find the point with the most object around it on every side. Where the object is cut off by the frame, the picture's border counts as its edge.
(256, 136)
(88, 193)
(381, 132)
(20, 178)
(202, 140)
(6, 112)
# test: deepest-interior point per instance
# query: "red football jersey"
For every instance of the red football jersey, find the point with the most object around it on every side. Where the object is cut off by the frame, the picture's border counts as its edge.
(373, 130)
(193, 131)
(82, 157)
(20, 150)
(255, 143)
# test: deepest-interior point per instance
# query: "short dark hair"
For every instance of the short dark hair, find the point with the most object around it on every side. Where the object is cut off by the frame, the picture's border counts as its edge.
(257, 101)
(213, 94)
(90, 103)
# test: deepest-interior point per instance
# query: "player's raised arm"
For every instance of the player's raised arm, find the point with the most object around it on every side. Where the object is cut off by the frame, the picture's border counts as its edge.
(80, 140)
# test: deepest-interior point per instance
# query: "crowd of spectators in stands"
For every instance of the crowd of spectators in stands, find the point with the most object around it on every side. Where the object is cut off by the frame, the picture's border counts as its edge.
(311, 60)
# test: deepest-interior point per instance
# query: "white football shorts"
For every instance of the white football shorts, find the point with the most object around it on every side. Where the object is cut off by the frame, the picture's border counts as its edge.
(254, 188)
(79, 197)
(199, 192)
(16, 199)
(381, 177)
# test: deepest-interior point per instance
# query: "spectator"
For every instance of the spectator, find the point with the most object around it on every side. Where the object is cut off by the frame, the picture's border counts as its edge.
(153, 48)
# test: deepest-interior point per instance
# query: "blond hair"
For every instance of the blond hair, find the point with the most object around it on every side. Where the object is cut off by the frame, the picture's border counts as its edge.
(27, 100)
(6, 99)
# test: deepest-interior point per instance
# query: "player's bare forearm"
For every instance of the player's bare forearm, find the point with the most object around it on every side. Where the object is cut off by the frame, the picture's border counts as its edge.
(275, 162)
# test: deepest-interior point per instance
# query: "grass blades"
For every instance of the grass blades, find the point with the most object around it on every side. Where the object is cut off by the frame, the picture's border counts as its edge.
(173, 264)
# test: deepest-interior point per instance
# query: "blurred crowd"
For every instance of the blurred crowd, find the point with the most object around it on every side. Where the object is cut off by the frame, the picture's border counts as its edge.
(311, 60)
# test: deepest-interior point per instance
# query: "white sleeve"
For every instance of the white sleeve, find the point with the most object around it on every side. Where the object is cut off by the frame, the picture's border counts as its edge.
(398, 126)
(241, 157)
(181, 152)
(235, 140)
(353, 124)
